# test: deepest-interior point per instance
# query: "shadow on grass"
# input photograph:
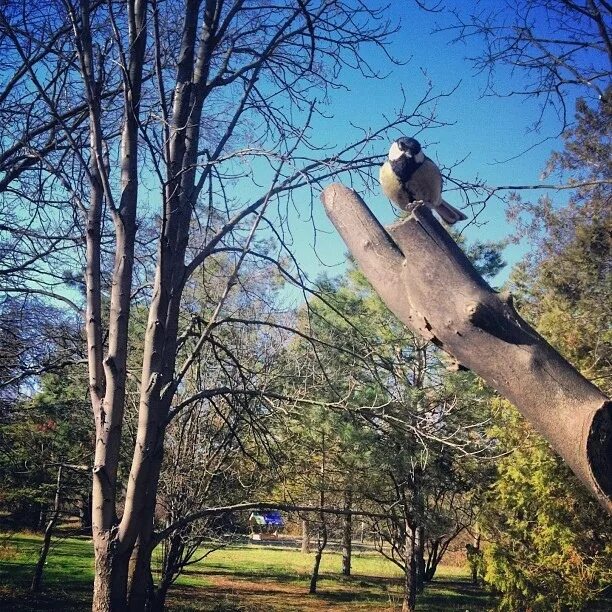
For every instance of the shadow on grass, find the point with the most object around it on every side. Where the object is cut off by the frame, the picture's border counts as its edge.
(68, 581)
(71, 597)
(455, 594)
(265, 597)
(269, 591)
(67, 577)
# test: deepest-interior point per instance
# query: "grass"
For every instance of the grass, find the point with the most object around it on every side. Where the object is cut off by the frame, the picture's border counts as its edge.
(235, 579)
(67, 578)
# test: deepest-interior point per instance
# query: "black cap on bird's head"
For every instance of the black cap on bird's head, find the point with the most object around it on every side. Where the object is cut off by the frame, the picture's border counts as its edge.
(409, 147)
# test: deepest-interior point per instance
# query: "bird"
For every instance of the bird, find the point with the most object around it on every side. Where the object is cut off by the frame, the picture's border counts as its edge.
(408, 177)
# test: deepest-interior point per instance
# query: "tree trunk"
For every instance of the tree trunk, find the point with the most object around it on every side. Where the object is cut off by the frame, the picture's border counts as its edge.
(111, 574)
(430, 285)
(141, 588)
(158, 603)
(42, 557)
(108, 372)
(321, 544)
(347, 534)
(42, 518)
(432, 561)
(322, 537)
(419, 555)
(305, 536)
(477, 554)
(85, 514)
(410, 572)
(44, 550)
(169, 572)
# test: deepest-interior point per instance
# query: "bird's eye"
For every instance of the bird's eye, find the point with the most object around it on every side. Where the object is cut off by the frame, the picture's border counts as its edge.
(401, 145)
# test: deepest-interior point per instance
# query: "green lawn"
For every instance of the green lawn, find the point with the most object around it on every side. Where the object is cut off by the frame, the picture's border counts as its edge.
(66, 582)
(240, 578)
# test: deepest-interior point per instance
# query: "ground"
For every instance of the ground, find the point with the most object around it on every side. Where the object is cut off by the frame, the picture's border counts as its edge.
(236, 579)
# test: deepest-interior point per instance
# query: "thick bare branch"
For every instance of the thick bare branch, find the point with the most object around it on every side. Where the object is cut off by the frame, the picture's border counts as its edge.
(436, 291)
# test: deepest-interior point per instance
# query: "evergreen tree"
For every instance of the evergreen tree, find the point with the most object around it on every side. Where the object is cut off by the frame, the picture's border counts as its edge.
(404, 421)
(550, 542)
(52, 430)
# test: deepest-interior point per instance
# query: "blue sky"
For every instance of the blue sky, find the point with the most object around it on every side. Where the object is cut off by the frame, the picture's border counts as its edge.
(490, 132)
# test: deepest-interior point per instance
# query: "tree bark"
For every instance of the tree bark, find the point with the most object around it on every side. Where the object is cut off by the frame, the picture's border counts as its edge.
(322, 536)
(432, 561)
(305, 536)
(410, 570)
(110, 576)
(430, 285)
(158, 603)
(321, 544)
(171, 566)
(42, 517)
(419, 549)
(141, 590)
(107, 374)
(347, 534)
(85, 510)
(476, 556)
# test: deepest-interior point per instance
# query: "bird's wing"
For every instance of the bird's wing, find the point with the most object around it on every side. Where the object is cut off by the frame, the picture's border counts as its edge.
(425, 183)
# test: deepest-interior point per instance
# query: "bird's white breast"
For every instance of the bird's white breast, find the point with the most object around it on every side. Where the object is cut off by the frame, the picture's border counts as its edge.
(392, 186)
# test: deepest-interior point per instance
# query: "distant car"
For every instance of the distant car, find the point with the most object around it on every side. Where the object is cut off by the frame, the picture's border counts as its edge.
(265, 525)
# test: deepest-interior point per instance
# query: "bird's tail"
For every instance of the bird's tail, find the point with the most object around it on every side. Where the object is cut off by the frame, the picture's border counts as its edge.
(449, 213)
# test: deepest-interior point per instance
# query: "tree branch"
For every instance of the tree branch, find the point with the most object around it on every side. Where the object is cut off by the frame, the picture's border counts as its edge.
(194, 516)
(430, 285)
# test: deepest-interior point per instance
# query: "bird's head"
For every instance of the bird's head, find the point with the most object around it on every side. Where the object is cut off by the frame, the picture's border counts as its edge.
(409, 147)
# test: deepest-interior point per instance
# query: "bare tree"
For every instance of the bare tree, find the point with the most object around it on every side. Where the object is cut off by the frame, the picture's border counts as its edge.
(221, 449)
(560, 47)
(35, 337)
(40, 124)
(55, 515)
(162, 121)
